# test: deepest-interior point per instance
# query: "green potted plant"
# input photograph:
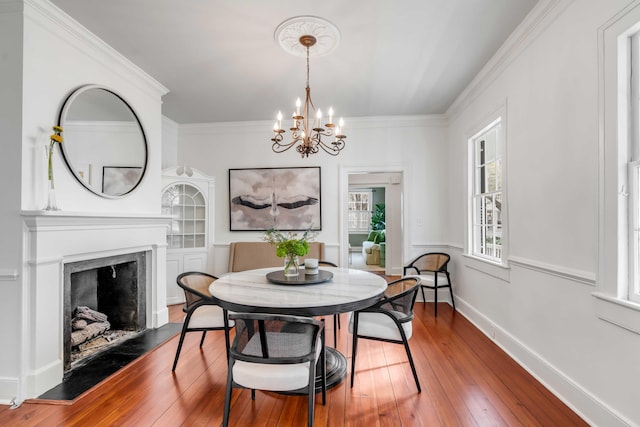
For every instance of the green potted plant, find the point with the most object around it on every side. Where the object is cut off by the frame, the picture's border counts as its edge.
(377, 217)
(378, 224)
(289, 247)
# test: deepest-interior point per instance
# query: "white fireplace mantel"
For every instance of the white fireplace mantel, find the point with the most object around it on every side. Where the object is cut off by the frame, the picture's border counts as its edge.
(52, 239)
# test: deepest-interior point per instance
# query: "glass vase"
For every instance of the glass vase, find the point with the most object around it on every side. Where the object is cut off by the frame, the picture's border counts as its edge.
(52, 205)
(290, 265)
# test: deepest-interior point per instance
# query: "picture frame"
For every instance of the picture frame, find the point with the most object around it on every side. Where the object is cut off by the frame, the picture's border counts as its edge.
(84, 171)
(287, 199)
(119, 180)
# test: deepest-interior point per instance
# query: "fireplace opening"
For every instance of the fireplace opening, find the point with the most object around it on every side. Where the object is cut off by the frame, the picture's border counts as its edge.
(105, 303)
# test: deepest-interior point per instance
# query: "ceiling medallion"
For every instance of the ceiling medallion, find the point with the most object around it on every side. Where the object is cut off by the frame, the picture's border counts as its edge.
(301, 36)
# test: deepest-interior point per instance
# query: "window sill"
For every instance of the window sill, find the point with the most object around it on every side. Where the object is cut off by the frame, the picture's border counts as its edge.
(617, 311)
(494, 269)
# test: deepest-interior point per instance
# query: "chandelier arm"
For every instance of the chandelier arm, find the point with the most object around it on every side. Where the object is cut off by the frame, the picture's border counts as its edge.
(333, 148)
(277, 145)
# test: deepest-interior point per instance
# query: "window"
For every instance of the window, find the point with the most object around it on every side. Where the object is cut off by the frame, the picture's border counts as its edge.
(485, 219)
(618, 272)
(360, 206)
(630, 152)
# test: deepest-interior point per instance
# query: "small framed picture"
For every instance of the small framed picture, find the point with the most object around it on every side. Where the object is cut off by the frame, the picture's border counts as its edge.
(119, 180)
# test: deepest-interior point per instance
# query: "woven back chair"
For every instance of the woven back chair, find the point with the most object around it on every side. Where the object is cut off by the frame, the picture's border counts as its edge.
(276, 353)
(202, 314)
(336, 317)
(431, 268)
(389, 320)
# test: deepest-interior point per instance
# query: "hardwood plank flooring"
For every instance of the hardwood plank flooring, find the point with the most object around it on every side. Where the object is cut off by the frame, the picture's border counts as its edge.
(466, 381)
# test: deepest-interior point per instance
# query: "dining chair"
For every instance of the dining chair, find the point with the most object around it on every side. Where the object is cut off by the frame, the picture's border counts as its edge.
(202, 314)
(389, 320)
(431, 269)
(336, 317)
(276, 353)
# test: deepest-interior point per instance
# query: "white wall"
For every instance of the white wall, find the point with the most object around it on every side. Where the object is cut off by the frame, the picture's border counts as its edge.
(57, 60)
(11, 224)
(45, 56)
(416, 144)
(169, 143)
(541, 310)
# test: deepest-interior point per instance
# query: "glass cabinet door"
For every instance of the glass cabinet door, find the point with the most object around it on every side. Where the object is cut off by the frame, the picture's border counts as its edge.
(187, 207)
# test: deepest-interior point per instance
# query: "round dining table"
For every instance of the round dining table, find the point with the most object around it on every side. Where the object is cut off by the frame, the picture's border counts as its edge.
(335, 290)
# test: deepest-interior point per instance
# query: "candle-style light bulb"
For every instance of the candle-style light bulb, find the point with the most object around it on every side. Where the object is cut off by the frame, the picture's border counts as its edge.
(276, 128)
(279, 119)
(341, 126)
(298, 104)
(318, 118)
(330, 115)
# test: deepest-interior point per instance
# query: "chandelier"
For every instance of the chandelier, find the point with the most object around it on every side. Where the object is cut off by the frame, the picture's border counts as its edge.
(308, 133)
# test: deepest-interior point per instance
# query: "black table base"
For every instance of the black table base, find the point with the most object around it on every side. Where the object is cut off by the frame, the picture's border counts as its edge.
(336, 369)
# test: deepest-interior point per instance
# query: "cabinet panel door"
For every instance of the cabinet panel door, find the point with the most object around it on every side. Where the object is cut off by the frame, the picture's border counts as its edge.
(195, 262)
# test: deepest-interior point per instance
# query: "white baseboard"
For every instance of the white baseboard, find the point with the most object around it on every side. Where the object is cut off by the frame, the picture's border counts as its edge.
(583, 403)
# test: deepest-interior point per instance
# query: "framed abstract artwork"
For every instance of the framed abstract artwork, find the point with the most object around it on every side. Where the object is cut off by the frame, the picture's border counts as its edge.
(285, 198)
(119, 180)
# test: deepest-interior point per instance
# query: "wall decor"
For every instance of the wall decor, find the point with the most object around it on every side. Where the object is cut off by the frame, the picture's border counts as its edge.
(119, 180)
(285, 198)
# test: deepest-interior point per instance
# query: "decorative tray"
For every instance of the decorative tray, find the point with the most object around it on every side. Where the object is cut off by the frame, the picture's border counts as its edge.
(279, 278)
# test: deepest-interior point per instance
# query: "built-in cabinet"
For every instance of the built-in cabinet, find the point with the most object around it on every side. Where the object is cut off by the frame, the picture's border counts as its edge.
(187, 195)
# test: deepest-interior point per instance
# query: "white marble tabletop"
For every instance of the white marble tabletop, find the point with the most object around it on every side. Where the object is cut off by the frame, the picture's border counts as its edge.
(250, 291)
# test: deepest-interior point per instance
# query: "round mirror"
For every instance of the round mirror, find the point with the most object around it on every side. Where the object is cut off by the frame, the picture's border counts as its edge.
(104, 144)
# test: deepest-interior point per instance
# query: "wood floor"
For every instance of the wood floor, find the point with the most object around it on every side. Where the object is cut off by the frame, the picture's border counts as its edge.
(466, 381)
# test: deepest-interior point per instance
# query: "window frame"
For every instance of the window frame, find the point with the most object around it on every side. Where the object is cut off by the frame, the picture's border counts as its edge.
(615, 195)
(476, 244)
(366, 213)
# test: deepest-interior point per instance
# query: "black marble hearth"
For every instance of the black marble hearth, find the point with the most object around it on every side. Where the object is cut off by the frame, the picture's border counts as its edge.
(109, 361)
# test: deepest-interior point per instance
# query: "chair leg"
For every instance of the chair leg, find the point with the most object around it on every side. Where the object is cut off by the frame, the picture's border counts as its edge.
(184, 332)
(253, 394)
(435, 296)
(227, 396)
(413, 367)
(336, 319)
(323, 369)
(453, 303)
(311, 403)
(354, 346)
(422, 290)
(204, 334)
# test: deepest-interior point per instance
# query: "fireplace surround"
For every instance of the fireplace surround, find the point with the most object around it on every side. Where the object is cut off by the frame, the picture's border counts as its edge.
(54, 240)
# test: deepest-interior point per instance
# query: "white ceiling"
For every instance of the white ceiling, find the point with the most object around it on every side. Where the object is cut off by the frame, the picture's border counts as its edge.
(221, 63)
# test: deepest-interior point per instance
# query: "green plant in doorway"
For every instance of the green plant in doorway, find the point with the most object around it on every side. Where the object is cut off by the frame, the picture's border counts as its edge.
(378, 217)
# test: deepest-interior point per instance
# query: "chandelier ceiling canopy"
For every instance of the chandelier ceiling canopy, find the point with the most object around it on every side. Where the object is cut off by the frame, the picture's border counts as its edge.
(297, 36)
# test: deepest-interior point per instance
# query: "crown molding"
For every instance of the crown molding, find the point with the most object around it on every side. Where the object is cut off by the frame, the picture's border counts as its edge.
(545, 12)
(46, 15)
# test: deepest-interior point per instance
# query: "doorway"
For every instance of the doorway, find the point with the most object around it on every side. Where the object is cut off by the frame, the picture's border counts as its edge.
(391, 181)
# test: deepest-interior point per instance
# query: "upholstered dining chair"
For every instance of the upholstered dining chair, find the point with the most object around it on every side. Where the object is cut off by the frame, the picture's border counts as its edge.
(202, 314)
(276, 353)
(336, 317)
(431, 269)
(389, 320)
